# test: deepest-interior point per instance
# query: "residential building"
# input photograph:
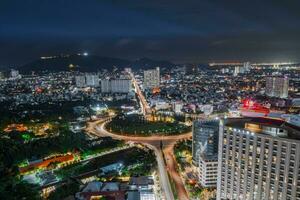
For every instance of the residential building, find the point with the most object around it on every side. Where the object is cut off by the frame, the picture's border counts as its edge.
(92, 80)
(177, 107)
(141, 183)
(259, 158)
(80, 81)
(151, 78)
(277, 86)
(14, 74)
(115, 85)
(141, 188)
(87, 80)
(105, 86)
(120, 85)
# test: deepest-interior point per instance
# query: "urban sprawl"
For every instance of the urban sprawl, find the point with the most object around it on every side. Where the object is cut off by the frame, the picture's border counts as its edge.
(223, 131)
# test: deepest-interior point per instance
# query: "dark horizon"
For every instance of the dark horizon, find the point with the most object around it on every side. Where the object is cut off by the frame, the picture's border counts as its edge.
(194, 32)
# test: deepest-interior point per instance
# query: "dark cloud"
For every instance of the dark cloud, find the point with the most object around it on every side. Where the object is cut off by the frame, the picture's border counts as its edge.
(182, 31)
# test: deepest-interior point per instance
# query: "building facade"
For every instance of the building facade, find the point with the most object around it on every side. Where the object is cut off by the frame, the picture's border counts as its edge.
(205, 139)
(80, 81)
(205, 150)
(259, 158)
(87, 80)
(151, 78)
(277, 86)
(92, 80)
(14, 74)
(116, 85)
(208, 170)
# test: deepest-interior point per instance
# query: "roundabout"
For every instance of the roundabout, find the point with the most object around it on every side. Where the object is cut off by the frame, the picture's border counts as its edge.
(166, 139)
(136, 125)
(161, 145)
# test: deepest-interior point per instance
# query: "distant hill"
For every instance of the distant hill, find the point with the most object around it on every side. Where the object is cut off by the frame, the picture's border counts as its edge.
(146, 63)
(89, 63)
(74, 62)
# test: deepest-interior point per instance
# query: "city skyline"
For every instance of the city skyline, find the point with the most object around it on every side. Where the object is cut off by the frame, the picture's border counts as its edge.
(149, 100)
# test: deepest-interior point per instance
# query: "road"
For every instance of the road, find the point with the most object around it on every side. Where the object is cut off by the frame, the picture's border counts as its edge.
(144, 105)
(171, 163)
(153, 142)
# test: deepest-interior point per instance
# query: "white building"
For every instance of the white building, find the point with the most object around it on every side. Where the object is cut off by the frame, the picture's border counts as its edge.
(177, 107)
(238, 70)
(14, 74)
(208, 170)
(151, 78)
(259, 158)
(277, 86)
(147, 195)
(87, 80)
(207, 109)
(115, 85)
(247, 66)
(105, 86)
(92, 80)
(80, 81)
(162, 106)
(120, 85)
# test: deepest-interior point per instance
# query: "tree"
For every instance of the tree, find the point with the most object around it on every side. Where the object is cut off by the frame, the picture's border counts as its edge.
(64, 191)
(20, 190)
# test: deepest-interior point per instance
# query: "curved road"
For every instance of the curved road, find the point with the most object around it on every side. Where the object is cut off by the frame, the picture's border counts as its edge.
(153, 142)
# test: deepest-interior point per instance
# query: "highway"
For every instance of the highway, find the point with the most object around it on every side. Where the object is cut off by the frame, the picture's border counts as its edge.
(144, 105)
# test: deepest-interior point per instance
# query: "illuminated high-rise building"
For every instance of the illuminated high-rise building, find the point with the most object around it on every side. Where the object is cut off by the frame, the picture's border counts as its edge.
(80, 81)
(205, 150)
(259, 158)
(92, 80)
(14, 74)
(115, 85)
(87, 80)
(277, 86)
(151, 78)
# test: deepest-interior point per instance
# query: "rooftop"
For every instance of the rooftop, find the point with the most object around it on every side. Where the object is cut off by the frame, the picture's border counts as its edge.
(142, 180)
(263, 125)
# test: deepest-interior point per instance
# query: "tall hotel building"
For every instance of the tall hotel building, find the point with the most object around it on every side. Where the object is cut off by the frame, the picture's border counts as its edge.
(151, 78)
(259, 158)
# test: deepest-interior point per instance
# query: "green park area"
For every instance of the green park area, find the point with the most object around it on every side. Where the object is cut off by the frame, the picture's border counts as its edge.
(14, 154)
(137, 125)
(183, 155)
(136, 162)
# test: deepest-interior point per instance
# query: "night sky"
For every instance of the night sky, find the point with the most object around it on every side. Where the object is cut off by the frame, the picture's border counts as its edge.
(175, 30)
